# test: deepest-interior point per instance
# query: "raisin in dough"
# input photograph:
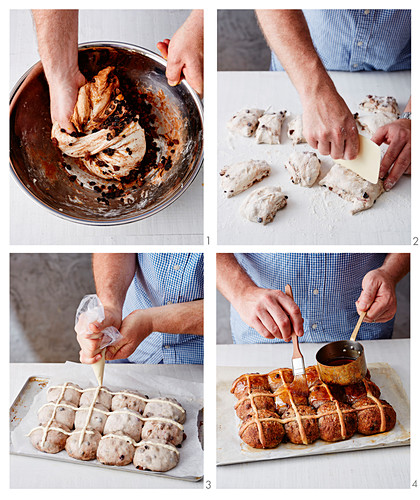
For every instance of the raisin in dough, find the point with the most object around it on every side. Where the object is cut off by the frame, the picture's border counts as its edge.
(103, 150)
(64, 413)
(295, 130)
(128, 399)
(125, 421)
(269, 128)
(115, 449)
(352, 187)
(240, 176)
(155, 455)
(374, 103)
(104, 397)
(55, 440)
(262, 204)
(97, 418)
(159, 408)
(87, 449)
(167, 431)
(245, 122)
(303, 167)
(71, 394)
(372, 121)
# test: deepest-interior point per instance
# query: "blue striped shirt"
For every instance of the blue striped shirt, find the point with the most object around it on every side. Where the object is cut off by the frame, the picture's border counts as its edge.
(166, 278)
(325, 287)
(359, 40)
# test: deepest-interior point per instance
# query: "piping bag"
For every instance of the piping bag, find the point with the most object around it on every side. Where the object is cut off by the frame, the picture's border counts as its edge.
(91, 309)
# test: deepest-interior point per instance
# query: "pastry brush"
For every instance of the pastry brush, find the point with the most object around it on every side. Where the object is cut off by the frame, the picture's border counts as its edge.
(300, 383)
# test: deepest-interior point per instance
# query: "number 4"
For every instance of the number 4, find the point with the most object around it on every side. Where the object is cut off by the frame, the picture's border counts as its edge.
(414, 484)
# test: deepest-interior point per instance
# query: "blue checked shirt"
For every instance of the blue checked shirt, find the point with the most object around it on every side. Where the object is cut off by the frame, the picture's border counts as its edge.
(166, 278)
(325, 287)
(359, 40)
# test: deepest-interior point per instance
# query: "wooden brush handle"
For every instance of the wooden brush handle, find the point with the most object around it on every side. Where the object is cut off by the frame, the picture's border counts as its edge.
(289, 292)
(296, 350)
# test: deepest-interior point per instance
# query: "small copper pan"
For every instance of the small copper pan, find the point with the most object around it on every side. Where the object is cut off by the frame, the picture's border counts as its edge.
(343, 362)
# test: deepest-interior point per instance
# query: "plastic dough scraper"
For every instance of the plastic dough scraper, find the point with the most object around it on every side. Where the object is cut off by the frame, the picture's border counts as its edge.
(368, 161)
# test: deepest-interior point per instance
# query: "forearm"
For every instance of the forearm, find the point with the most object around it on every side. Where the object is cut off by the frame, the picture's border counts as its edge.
(195, 21)
(397, 265)
(183, 317)
(287, 34)
(113, 273)
(232, 280)
(57, 33)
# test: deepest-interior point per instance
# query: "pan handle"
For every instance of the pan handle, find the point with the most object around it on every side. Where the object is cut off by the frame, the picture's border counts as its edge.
(358, 324)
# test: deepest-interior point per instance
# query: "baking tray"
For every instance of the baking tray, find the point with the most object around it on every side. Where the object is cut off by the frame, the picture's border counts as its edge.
(21, 406)
(231, 449)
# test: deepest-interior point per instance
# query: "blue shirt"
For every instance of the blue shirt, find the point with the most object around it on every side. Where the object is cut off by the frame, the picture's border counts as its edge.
(359, 40)
(325, 287)
(166, 278)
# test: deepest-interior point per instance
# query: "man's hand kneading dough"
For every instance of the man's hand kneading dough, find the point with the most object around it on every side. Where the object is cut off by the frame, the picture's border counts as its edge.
(59, 55)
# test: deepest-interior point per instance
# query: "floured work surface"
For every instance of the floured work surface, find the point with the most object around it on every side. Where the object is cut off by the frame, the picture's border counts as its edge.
(34, 395)
(313, 215)
(230, 448)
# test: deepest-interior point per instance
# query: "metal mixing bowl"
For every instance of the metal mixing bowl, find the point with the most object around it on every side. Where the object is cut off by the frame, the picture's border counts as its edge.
(36, 163)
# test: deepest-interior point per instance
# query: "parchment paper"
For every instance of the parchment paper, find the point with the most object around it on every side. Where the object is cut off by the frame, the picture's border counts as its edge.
(231, 449)
(188, 395)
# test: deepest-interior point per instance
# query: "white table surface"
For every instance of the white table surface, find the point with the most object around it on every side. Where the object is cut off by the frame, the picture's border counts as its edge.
(40, 473)
(376, 468)
(313, 215)
(182, 222)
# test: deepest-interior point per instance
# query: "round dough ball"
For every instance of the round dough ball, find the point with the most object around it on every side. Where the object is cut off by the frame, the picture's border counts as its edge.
(272, 430)
(167, 432)
(70, 394)
(115, 450)
(64, 414)
(329, 425)
(244, 408)
(247, 383)
(97, 419)
(55, 440)
(104, 398)
(275, 378)
(158, 408)
(310, 425)
(155, 455)
(127, 399)
(369, 416)
(87, 450)
(128, 422)
(357, 391)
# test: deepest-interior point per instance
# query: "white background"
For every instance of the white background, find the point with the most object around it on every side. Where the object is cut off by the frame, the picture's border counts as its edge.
(210, 229)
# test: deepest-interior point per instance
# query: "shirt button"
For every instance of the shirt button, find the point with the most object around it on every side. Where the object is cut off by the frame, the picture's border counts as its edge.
(355, 65)
(169, 302)
(359, 44)
(314, 326)
(367, 11)
(177, 267)
(167, 346)
(316, 291)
